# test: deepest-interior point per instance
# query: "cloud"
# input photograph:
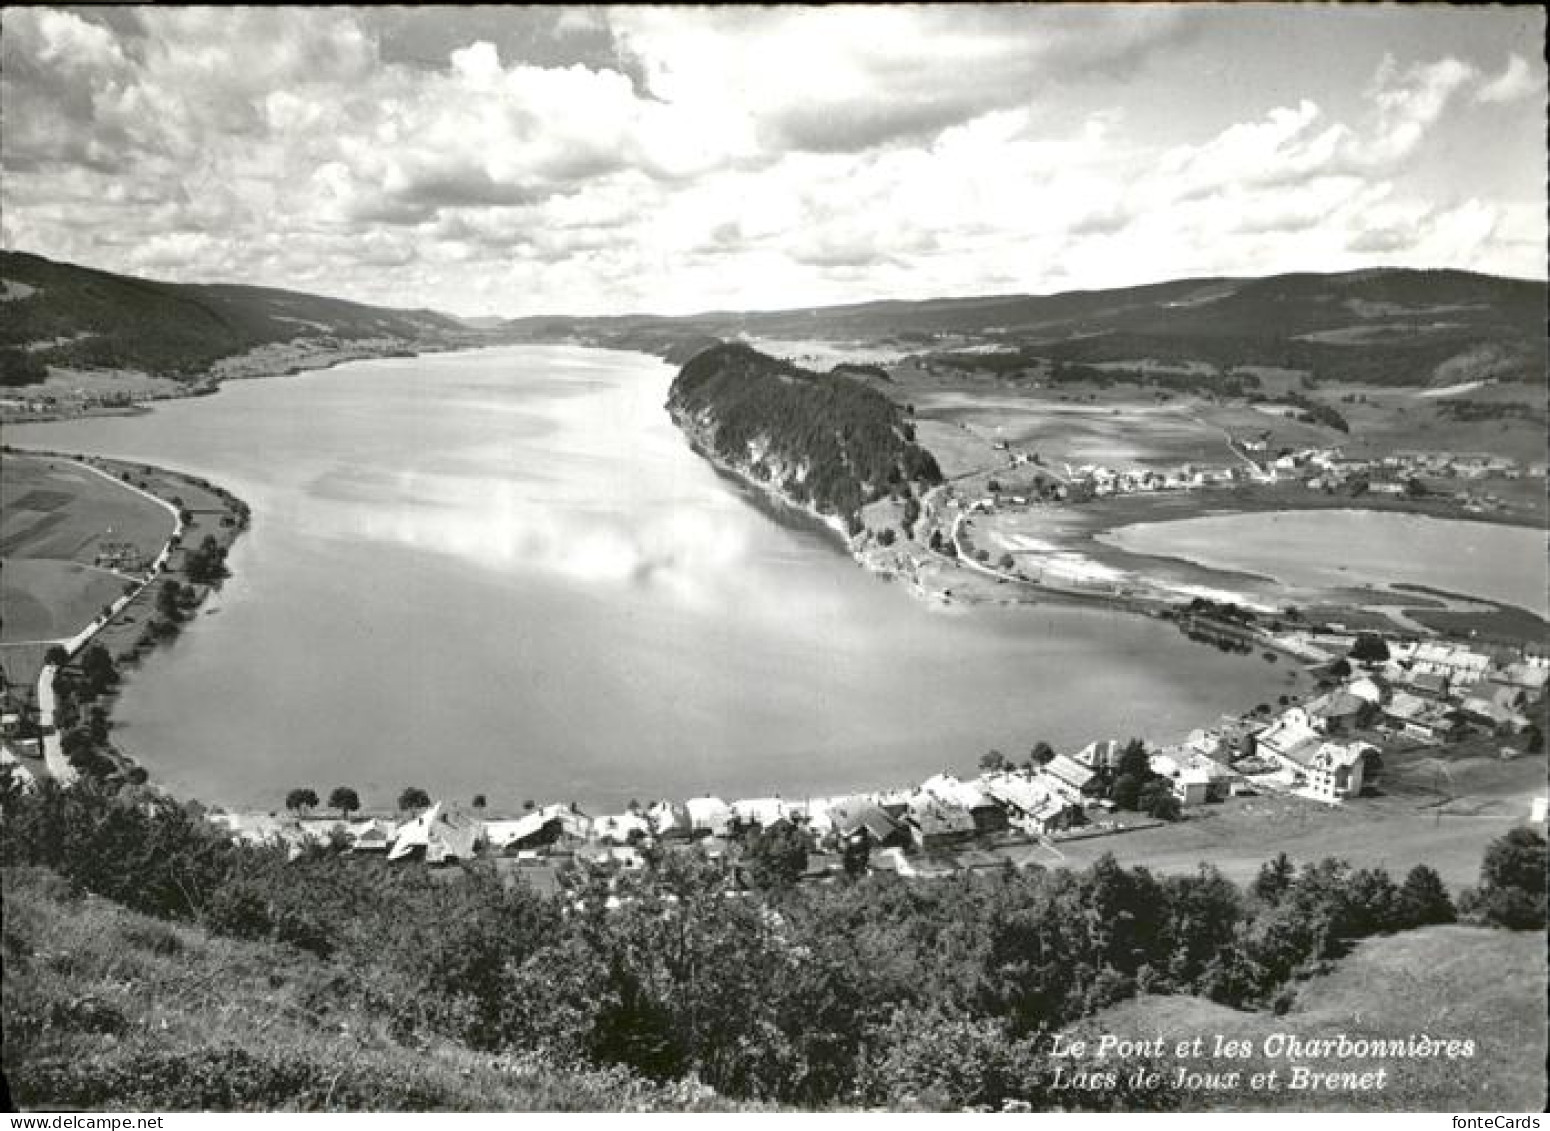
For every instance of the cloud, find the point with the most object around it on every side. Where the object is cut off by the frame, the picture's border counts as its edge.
(674, 159)
(1516, 82)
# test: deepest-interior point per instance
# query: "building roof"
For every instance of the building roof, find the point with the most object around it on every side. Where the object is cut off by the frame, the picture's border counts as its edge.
(940, 818)
(762, 811)
(708, 813)
(1017, 791)
(1071, 773)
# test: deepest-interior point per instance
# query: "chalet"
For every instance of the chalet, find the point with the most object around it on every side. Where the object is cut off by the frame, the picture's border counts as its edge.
(436, 836)
(938, 824)
(709, 816)
(1031, 805)
(534, 830)
(988, 816)
(621, 829)
(1069, 778)
(670, 821)
(1194, 778)
(1290, 739)
(1337, 712)
(760, 811)
(370, 835)
(857, 817)
(1419, 718)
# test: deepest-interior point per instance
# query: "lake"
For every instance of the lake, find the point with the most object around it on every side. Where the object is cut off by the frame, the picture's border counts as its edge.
(504, 571)
(1331, 549)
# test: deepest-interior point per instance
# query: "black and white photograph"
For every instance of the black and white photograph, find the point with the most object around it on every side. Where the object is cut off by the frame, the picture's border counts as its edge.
(921, 558)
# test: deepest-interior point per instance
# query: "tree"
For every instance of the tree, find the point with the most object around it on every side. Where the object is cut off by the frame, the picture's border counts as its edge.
(1126, 791)
(1512, 882)
(97, 670)
(97, 724)
(301, 800)
(169, 601)
(856, 854)
(344, 799)
(1423, 900)
(414, 799)
(776, 857)
(207, 563)
(993, 761)
(1369, 649)
(1157, 800)
(480, 802)
(1042, 753)
(1275, 878)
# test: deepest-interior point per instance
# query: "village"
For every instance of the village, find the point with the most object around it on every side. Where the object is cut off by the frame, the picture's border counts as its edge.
(1376, 697)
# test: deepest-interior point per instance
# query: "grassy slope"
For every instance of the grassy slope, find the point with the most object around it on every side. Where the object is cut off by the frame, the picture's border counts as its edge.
(104, 1008)
(1449, 982)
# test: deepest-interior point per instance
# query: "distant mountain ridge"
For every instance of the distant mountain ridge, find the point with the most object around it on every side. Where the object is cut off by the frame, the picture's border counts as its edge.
(1386, 325)
(66, 315)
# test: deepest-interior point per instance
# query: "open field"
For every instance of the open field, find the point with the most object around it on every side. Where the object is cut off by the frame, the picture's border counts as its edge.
(54, 519)
(52, 509)
(51, 600)
(1448, 983)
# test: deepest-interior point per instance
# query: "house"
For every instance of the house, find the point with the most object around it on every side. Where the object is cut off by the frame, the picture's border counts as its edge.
(1335, 771)
(1031, 805)
(938, 824)
(1069, 778)
(760, 811)
(1289, 739)
(858, 817)
(709, 816)
(1194, 778)
(370, 835)
(534, 830)
(621, 829)
(437, 836)
(1337, 712)
(988, 816)
(1420, 718)
(1525, 674)
(1450, 661)
(1101, 756)
(670, 821)
(610, 856)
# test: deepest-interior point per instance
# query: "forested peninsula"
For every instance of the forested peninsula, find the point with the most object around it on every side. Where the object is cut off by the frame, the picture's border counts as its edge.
(820, 441)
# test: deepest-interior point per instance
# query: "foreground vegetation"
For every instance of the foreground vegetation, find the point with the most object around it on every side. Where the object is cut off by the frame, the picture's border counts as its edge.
(649, 988)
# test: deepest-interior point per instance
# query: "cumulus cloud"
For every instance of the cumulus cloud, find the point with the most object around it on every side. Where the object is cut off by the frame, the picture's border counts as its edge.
(673, 159)
(1515, 82)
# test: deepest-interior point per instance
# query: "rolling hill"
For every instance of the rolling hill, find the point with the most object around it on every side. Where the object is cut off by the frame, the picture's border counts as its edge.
(64, 315)
(1385, 326)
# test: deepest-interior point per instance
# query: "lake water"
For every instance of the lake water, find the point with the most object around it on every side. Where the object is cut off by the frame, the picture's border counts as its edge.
(1325, 549)
(504, 571)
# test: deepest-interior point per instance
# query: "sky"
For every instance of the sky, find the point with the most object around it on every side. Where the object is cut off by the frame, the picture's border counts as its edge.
(510, 161)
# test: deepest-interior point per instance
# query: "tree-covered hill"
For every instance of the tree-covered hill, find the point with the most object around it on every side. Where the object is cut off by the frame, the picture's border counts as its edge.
(825, 440)
(1389, 326)
(66, 315)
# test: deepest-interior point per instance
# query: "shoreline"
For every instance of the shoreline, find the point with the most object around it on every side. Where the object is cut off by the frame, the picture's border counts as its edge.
(112, 627)
(210, 382)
